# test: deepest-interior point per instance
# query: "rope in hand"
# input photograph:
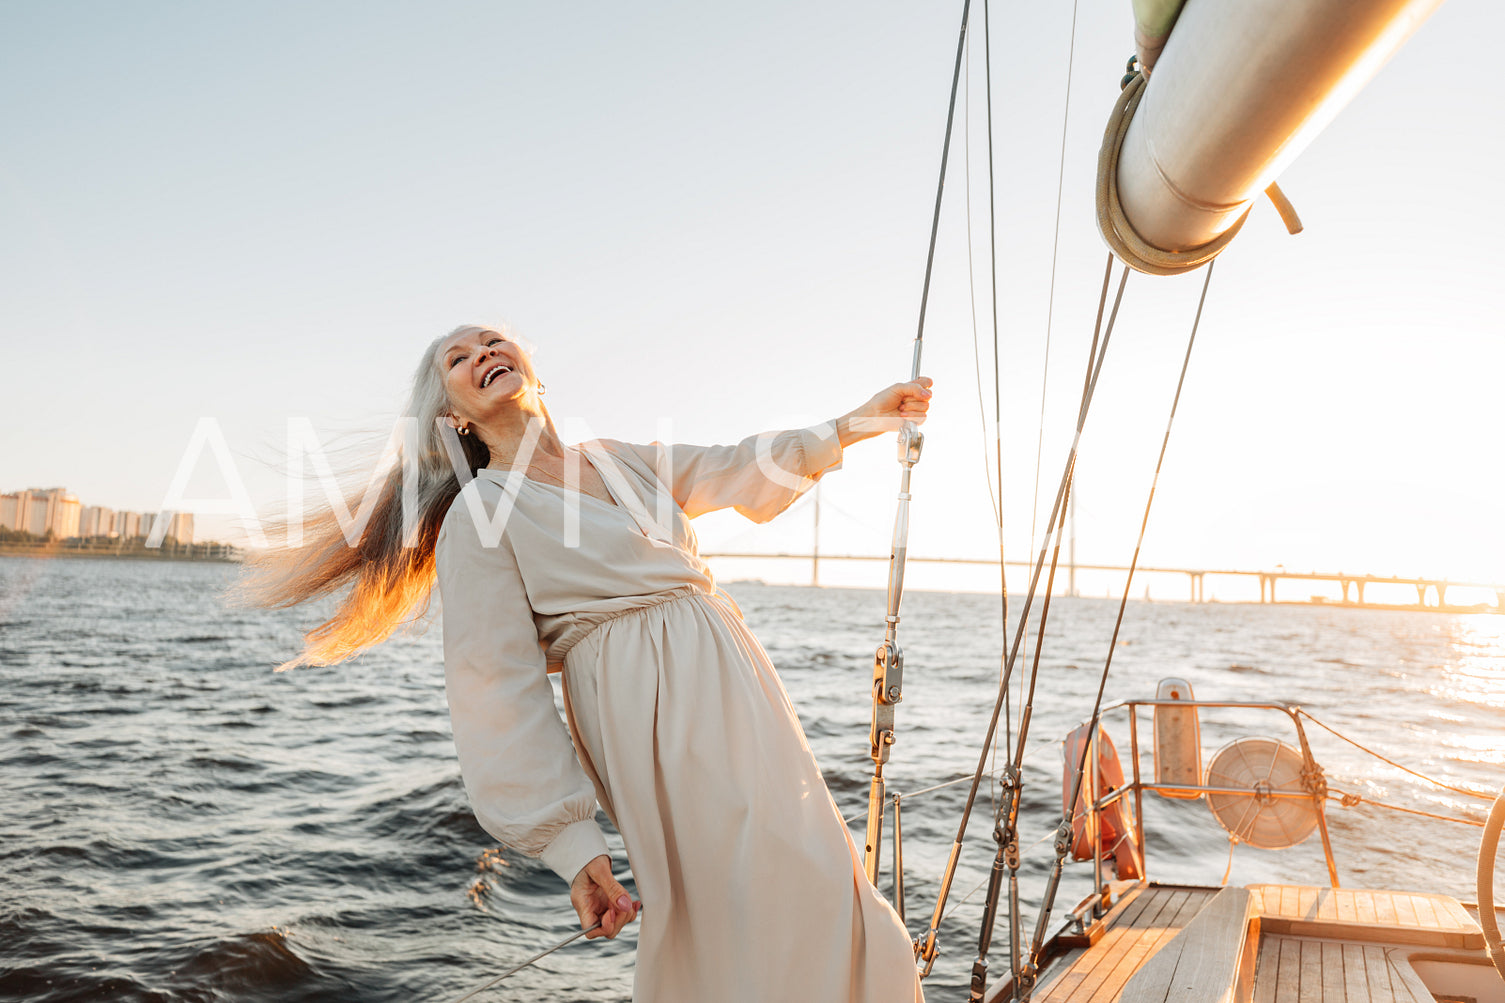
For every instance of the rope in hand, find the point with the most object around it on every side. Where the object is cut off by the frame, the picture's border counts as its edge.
(536, 958)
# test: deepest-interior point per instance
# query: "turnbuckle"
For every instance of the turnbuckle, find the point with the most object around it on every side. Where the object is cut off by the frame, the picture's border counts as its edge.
(1062, 843)
(888, 689)
(1005, 824)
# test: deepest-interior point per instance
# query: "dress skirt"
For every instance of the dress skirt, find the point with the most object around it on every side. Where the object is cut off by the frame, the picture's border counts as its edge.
(753, 889)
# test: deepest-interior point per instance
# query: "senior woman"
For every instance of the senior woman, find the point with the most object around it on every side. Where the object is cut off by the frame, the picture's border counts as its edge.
(581, 559)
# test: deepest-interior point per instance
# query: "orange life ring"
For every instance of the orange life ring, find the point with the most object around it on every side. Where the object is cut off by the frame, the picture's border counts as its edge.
(1116, 837)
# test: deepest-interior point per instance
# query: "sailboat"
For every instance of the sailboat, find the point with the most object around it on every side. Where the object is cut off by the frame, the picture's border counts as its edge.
(1220, 97)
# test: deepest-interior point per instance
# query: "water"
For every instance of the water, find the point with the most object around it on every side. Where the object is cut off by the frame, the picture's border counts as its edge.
(182, 824)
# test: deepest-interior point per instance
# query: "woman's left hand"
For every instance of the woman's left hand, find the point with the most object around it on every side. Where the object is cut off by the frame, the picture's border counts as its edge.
(598, 897)
(886, 410)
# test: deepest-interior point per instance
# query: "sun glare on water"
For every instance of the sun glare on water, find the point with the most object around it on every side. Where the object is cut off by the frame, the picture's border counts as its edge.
(1476, 673)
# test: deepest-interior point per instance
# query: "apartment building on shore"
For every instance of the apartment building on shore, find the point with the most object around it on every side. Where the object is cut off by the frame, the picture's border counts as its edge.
(39, 511)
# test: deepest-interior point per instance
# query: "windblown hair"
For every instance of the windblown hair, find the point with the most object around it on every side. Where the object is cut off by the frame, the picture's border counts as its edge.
(389, 583)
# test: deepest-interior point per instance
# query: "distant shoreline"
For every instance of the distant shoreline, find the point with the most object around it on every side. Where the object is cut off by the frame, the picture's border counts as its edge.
(199, 553)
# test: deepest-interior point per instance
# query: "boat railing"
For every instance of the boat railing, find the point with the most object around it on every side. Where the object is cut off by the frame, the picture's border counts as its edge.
(1313, 781)
(1312, 786)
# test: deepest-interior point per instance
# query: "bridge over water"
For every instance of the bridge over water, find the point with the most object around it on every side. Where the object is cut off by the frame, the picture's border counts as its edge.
(1352, 584)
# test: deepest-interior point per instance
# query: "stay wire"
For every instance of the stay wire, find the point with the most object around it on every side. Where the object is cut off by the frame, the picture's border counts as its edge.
(1003, 582)
(982, 410)
(1144, 522)
(896, 567)
(1057, 522)
(996, 429)
(1055, 247)
(1050, 303)
(1100, 339)
(940, 189)
(908, 796)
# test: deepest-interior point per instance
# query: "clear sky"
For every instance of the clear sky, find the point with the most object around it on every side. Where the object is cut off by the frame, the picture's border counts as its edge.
(714, 216)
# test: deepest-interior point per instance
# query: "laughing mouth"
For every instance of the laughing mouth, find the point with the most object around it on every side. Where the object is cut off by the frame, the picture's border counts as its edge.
(493, 373)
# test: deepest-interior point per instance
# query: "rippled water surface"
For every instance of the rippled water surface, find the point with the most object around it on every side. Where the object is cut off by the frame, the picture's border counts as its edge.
(181, 823)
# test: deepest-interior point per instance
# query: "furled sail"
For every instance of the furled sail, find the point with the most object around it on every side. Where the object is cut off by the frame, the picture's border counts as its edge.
(1240, 88)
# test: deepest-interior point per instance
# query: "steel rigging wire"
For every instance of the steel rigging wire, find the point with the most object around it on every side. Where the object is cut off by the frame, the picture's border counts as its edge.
(888, 663)
(1096, 353)
(1063, 841)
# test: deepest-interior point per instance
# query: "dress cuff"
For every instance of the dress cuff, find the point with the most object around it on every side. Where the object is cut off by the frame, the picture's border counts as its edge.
(576, 845)
(822, 448)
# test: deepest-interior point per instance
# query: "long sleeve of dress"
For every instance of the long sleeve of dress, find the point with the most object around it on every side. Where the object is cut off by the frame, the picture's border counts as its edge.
(525, 784)
(760, 476)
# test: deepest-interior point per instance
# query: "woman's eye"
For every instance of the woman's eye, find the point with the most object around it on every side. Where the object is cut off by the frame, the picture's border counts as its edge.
(453, 362)
(493, 341)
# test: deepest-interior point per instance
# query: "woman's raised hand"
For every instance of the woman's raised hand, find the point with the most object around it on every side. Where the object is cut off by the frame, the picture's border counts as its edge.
(599, 897)
(887, 410)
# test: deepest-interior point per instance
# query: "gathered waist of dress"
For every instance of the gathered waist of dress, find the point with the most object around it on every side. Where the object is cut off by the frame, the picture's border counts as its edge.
(582, 625)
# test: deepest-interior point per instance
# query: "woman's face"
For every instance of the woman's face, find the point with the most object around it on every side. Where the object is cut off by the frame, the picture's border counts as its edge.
(485, 373)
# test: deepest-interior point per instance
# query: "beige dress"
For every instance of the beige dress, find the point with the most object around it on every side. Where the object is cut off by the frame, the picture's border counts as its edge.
(752, 888)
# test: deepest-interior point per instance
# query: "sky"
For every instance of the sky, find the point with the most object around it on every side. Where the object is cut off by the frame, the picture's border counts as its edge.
(712, 220)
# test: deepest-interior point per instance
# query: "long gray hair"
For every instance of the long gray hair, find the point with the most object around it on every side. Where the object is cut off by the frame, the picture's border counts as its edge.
(390, 568)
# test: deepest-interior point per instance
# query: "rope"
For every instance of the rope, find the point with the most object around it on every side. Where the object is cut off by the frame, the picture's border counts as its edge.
(1227, 871)
(1131, 248)
(1283, 206)
(1349, 800)
(536, 958)
(1404, 769)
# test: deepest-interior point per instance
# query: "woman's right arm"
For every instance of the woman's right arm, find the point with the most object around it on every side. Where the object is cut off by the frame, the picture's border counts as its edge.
(525, 784)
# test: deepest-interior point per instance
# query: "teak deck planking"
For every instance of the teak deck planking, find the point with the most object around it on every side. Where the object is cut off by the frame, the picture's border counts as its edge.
(1146, 925)
(1364, 914)
(1303, 970)
(1316, 945)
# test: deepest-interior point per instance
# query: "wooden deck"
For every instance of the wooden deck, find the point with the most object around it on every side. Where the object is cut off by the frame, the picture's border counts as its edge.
(1309, 970)
(1269, 944)
(1145, 925)
(1210, 961)
(1360, 914)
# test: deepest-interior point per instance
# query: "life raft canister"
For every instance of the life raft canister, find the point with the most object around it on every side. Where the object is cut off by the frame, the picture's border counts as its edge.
(1116, 840)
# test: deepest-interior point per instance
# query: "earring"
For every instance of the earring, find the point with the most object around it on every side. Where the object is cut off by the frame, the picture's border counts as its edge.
(541, 389)
(463, 429)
